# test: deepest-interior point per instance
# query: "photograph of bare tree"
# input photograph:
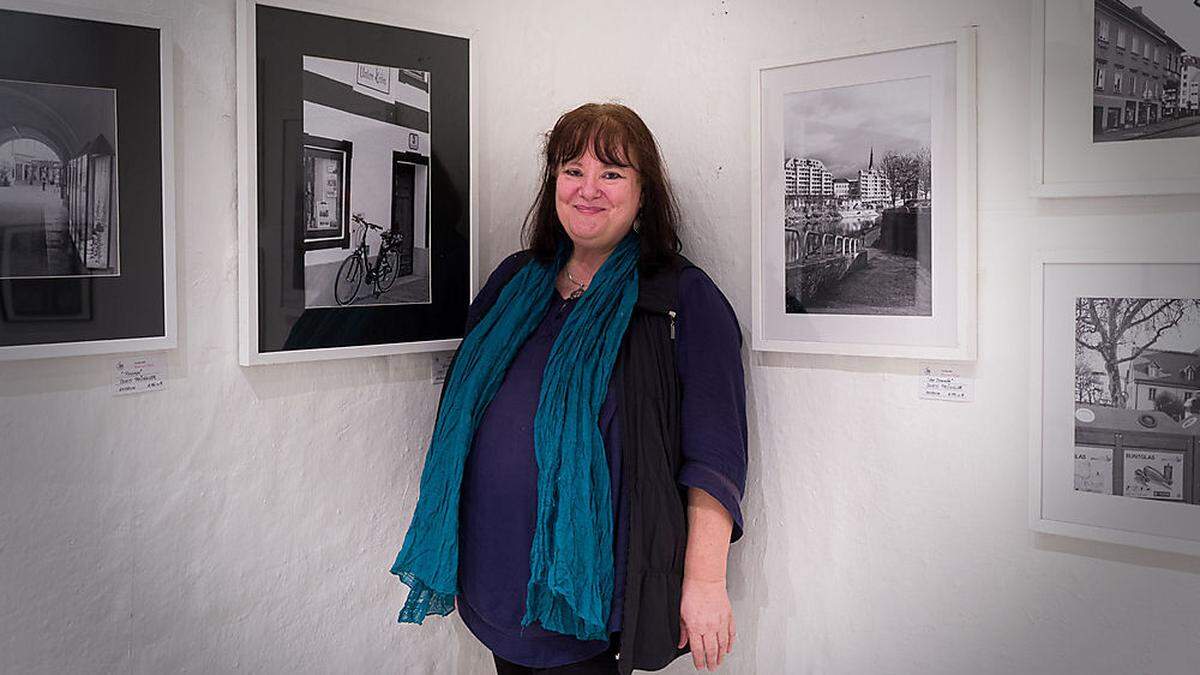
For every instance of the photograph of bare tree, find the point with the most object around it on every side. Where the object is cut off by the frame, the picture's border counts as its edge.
(1137, 381)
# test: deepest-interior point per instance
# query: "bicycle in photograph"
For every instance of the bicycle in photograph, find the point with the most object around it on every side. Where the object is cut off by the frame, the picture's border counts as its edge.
(357, 267)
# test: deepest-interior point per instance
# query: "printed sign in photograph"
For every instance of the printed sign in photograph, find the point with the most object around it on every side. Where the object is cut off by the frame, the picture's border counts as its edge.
(1154, 475)
(378, 78)
(1093, 469)
(1146, 75)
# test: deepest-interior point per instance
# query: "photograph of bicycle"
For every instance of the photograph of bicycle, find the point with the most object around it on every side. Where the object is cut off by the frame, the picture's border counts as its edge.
(365, 152)
(357, 267)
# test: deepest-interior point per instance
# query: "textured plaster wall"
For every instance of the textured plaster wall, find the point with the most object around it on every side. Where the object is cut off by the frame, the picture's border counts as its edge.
(244, 519)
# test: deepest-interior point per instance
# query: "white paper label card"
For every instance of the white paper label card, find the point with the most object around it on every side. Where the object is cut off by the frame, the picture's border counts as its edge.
(440, 366)
(941, 382)
(138, 373)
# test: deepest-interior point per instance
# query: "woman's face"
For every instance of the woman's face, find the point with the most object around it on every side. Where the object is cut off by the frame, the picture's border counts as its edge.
(597, 202)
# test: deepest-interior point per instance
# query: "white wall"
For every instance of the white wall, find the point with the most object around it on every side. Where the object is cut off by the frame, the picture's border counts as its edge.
(244, 519)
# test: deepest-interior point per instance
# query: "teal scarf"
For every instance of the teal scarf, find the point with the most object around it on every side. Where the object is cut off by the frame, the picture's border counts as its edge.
(570, 563)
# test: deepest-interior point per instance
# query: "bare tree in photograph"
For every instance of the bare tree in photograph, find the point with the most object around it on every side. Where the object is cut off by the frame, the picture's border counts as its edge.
(925, 173)
(903, 173)
(1089, 385)
(1113, 329)
(908, 173)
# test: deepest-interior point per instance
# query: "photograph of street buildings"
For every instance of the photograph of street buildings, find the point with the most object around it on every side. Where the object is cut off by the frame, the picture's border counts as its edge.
(365, 184)
(1137, 396)
(1146, 76)
(857, 195)
(58, 181)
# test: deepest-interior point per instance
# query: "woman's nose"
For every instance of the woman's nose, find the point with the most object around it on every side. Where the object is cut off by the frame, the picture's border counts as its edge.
(590, 188)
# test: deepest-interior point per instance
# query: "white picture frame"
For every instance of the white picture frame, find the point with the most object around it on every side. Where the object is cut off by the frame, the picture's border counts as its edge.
(949, 331)
(1065, 161)
(1058, 423)
(165, 335)
(249, 349)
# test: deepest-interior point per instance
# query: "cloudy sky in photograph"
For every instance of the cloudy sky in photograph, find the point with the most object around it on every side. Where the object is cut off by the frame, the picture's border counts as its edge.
(839, 126)
(1179, 18)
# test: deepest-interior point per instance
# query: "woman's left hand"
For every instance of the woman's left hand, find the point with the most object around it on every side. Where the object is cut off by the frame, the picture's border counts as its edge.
(706, 621)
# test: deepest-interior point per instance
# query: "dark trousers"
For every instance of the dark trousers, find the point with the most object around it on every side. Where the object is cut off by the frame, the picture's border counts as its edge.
(602, 664)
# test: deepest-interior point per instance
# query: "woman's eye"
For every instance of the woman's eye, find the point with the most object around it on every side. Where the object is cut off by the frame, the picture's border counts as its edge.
(573, 172)
(612, 175)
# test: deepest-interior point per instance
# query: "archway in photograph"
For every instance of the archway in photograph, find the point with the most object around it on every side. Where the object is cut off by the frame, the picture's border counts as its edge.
(34, 231)
(57, 181)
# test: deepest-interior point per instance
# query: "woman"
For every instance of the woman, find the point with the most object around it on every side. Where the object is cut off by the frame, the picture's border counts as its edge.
(583, 482)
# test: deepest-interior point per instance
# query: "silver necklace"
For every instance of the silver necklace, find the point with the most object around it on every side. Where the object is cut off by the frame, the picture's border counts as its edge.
(578, 291)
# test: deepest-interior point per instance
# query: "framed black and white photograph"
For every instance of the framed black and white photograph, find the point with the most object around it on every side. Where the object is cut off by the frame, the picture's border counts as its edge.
(864, 202)
(356, 184)
(86, 189)
(1116, 391)
(1146, 75)
(369, 246)
(1116, 97)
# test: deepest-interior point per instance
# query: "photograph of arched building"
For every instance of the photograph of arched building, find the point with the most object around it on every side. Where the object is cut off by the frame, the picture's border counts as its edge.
(58, 181)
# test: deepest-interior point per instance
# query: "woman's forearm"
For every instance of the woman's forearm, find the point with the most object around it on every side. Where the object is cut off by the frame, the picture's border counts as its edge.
(709, 529)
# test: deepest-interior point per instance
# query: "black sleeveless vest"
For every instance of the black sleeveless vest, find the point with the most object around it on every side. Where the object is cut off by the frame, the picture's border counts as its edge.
(648, 408)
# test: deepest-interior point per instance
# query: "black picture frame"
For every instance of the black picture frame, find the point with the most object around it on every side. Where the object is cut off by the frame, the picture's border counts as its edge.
(106, 171)
(276, 40)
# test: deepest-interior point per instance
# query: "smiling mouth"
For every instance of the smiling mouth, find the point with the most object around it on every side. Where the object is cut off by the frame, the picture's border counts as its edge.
(589, 210)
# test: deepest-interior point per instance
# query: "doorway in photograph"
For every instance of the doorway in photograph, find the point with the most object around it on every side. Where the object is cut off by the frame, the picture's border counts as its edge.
(1146, 70)
(58, 181)
(368, 245)
(404, 186)
(857, 195)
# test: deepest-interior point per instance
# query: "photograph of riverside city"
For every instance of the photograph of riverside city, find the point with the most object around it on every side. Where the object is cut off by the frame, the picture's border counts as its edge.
(1146, 79)
(857, 198)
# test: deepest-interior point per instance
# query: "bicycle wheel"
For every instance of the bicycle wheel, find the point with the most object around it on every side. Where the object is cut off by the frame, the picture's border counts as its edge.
(388, 265)
(349, 279)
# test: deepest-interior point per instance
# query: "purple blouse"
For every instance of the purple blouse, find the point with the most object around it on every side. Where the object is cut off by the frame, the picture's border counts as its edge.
(498, 505)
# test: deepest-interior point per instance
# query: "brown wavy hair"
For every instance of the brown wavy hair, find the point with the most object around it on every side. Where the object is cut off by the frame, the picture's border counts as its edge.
(615, 135)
